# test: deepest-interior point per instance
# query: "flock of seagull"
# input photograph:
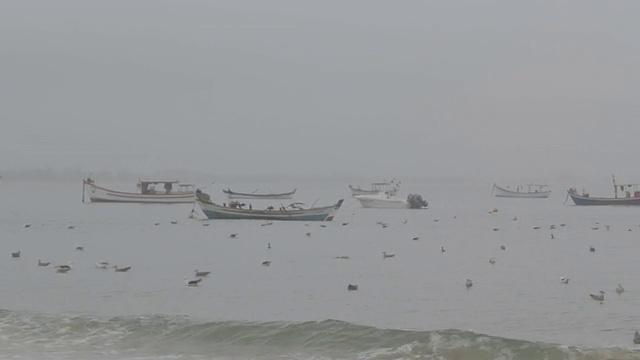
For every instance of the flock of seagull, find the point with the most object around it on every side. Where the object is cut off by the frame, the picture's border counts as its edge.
(200, 275)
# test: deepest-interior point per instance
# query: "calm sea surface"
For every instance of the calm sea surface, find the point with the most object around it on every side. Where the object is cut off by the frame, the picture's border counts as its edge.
(414, 305)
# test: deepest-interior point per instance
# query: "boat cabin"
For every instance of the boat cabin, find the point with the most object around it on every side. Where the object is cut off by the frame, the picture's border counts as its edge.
(148, 187)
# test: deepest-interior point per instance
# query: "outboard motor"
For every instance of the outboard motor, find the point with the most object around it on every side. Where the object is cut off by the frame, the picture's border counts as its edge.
(416, 201)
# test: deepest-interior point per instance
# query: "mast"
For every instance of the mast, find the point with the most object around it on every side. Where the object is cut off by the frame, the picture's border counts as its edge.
(615, 188)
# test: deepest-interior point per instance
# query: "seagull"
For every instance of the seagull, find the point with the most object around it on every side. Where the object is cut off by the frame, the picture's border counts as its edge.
(102, 265)
(191, 282)
(268, 245)
(71, 227)
(266, 263)
(156, 224)
(442, 250)
(206, 224)
(515, 218)
(308, 234)
(345, 223)
(592, 249)
(416, 238)
(352, 287)
(40, 263)
(233, 236)
(619, 289)
(552, 227)
(80, 248)
(495, 229)
(552, 237)
(324, 226)
(202, 273)
(63, 269)
(174, 222)
(342, 257)
(436, 220)
(598, 297)
(595, 228)
(404, 222)
(492, 261)
(502, 247)
(636, 338)
(385, 255)
(536, 227)
(469, 283)
(564, 280)
(121, 269)
(27, 225)
(15, 254)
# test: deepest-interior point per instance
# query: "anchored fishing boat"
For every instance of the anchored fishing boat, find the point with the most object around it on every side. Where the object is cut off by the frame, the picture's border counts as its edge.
(237, 211)
(383, 201)
(254, 195)
(631, 196)
(530, 191)
(172, 192)
(384, 187)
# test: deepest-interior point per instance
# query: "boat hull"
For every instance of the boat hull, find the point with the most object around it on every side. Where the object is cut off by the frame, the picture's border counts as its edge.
(587, 200)
(280, 196)
(214, 211)
(375, 202)
(103, 195)
(501, 192)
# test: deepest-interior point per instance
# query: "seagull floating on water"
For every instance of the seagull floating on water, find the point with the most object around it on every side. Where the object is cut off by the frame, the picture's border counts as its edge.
(342, 257)
(502, 247)
(385, 255)
(619, 289)
(202, 273)
(174, 222)
(308, 234)
(352, 287)
(40, 263)
(592, 249)
(70, 227)
(79, 248)
(122, 269)
(27, 225)
(191, 282)
(442, 250)
(598, 297)
(233, 236)
(102, 265)
(266, 263)
(15, 254)
(492, 261)
(415, 238)
(564, 280)
(469, 283)
(63, 269)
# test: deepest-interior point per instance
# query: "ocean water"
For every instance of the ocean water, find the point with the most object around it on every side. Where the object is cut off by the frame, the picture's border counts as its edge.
(412, 306)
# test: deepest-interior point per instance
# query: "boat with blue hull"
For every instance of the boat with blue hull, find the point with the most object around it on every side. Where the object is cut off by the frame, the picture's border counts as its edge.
(237, 211)
(631, 196)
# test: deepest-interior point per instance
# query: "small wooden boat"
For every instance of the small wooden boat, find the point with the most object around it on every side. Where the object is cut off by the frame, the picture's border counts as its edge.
(631, 195)
(270, 196)
(532, 191)
(385, 187)
(236, 211)
(382, 201)
(173, 192)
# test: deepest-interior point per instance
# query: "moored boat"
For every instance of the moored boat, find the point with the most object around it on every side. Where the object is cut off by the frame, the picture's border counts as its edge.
(383, 201)
(531, 191)
(631, 195)
(269, 196)
(237, 211)
(173, 192)
(383, 187)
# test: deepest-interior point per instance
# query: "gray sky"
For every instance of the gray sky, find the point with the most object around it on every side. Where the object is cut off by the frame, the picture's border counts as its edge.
(373, 88)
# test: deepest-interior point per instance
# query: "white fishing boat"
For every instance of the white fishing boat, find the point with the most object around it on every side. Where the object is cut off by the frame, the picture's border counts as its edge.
(385, 201)
(254, 195)
(172, 192)
(388, 187)
(531, 191)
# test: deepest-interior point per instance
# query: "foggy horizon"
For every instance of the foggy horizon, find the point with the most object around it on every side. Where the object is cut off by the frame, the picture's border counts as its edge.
(491, 91)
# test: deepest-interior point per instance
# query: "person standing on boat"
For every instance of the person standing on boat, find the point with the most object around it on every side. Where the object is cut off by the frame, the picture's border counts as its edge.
(167, 187)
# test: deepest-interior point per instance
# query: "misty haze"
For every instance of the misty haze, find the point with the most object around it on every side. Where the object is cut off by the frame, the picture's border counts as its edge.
(319, 179)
